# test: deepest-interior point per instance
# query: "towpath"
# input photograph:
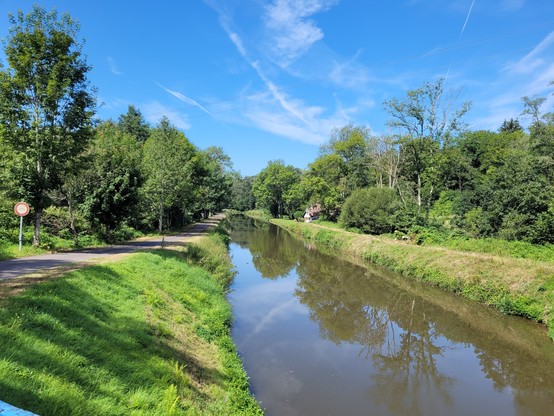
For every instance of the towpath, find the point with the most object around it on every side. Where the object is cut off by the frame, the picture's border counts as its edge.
(10, 269)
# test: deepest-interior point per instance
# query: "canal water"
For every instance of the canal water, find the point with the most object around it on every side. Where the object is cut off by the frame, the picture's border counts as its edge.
(319, 335)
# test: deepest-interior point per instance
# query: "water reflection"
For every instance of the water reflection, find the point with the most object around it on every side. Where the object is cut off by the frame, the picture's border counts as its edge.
(408, 348)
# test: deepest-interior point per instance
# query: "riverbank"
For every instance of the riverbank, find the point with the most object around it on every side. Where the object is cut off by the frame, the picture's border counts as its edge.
(149, 334)
(515, 286)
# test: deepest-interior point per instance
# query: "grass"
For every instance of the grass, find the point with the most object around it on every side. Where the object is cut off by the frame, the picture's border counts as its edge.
(9, 247)
(495, 246)
(517, 286)
(142, 336)
(515, 249)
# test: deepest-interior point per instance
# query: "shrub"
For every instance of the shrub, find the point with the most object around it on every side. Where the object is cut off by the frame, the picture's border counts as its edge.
(298, 215)
(57, 221)
(371, 210)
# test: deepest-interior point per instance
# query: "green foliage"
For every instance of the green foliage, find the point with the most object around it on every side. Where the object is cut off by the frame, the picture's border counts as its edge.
(370, 210)
(46, 103)
(113, 179)
(272, 184)
(298, 215)
(133, 124)
(167, 164)
(211, 181)
(242, 198)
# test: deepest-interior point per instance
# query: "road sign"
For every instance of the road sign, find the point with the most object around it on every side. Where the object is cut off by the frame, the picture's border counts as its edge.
(21, 209)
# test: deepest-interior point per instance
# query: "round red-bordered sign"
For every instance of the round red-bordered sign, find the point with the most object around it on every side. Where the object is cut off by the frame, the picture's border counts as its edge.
(21, 209)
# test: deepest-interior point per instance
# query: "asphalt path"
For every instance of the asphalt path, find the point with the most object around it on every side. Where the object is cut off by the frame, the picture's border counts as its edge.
(10, 269)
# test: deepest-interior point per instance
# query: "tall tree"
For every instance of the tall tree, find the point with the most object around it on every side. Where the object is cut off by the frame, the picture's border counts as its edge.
(272, 184)
(133, 123)
(241, 192)
(167, 166)
(350, 143)
(428, 111)
(112, 182)
(212, 181)
(510, 126)
(428, 118)
(46, 102)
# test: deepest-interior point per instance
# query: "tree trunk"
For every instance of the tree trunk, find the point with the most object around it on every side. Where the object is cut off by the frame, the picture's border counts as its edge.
(72, 218)
(36, 235)
(161, 219)
(418, 190)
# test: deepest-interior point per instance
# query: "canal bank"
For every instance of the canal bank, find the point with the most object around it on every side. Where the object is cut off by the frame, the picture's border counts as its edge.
(514, 286)
(149, 334)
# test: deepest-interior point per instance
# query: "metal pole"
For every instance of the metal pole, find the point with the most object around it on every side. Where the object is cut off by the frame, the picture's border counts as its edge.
(20, 232)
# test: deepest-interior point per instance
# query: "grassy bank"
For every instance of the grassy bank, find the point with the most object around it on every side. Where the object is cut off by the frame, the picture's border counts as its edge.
(259, 214)
(517, 286)
(147, 335)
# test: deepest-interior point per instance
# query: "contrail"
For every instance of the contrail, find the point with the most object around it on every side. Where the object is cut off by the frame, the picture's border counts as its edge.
(467, 18)
(460, 38)
(184, 98)
(192, 102)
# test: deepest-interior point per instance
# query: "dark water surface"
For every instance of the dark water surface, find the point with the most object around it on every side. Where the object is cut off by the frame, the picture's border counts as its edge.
(322, 336)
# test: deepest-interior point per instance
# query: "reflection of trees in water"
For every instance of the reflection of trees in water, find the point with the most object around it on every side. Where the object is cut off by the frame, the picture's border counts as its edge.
(352, 305)
(399, 329)
(274, 253)
(409, 376)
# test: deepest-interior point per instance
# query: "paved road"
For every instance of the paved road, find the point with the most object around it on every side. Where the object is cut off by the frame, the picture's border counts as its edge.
(33, 264)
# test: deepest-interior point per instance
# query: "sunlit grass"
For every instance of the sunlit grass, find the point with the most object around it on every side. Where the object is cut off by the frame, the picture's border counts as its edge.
(148, 335)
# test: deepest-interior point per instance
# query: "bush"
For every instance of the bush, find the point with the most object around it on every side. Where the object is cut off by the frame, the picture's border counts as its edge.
(124, 233)
(57, 221)
(298, 215)
(371, 209)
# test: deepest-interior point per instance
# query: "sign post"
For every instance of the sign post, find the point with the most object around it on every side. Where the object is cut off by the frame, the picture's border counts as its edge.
(21, 209)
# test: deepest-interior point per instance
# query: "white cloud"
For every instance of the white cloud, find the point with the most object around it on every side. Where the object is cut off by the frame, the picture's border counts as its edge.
(290, 30)
(307, 124)
(154, 111)
(273, 110)
(512, 5)
(532, 60)
(113, 66)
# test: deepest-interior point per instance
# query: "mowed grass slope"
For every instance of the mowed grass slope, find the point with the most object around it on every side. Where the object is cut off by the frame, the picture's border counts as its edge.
(147, 335)
(517, 286)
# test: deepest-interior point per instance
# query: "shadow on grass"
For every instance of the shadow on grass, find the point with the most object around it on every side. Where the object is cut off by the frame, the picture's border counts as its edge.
(74, 346)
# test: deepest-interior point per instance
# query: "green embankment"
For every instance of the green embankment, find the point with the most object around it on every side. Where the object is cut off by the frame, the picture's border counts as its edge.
(516, 286)
(147, 335)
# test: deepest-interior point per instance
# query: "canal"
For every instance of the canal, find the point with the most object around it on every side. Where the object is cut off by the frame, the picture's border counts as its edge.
(320, 335)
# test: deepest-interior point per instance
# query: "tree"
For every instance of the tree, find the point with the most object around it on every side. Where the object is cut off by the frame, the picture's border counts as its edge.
(167, 166)
(428, 111)
(46, 102)
(510, 126)
(113, 181)
(212, 180)
(428, 118)
(133, 123)
(350, 143)
(241, 193)
(272, 184)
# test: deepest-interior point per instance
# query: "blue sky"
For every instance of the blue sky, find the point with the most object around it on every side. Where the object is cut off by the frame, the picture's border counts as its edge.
(270, 79)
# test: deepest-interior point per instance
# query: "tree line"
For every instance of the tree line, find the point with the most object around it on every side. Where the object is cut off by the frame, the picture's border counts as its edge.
(81, 175)
(429, 172)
